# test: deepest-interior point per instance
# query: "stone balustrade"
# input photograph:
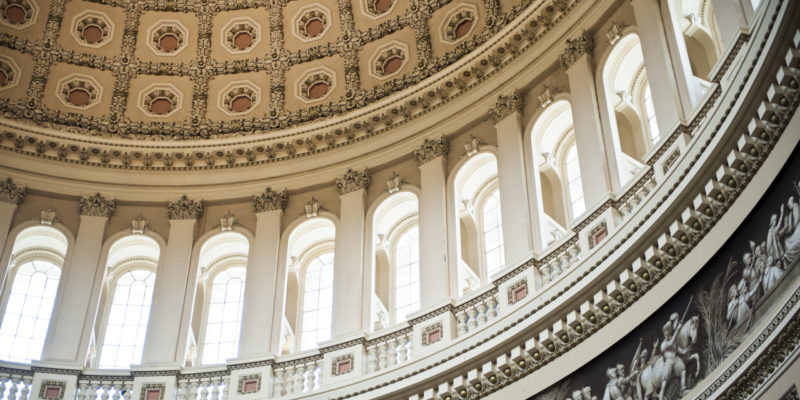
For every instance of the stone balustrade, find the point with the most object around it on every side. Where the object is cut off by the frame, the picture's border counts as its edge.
(15, 384)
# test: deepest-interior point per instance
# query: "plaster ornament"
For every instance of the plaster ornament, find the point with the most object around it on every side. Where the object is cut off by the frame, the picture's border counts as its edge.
(583, 44)
(227, 222)
(96, 206)
(138, 225)
(185, 208)
(394, 183)
(615, 33)
(546, 97)
(312, 208)
(353, 180)
(11, 193)
(271, 200)
(472, 146)
(432, 148)
(48, 216)
(507, 105)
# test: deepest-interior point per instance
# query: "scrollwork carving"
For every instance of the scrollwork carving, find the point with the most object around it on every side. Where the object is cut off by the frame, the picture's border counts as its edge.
(353, 180)
(11, 193)
(96, 206)
(507, 105)
(432, 148)
(583, 44)
(185, 208)
(271, 200)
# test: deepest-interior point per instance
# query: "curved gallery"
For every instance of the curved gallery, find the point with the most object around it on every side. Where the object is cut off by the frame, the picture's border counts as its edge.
(423, 200)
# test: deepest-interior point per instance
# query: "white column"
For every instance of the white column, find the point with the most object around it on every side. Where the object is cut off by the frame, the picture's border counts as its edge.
(348, 270)
(262, 273)
(11, 196)
(163, 345)
(598, 160)
(518, 239)
(673, 87)
(67, 340)
(436, 283)
(731, 17)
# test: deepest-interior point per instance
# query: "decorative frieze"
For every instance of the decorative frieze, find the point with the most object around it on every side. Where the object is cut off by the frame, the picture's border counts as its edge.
(432, 148)
(271, 200)
(11, 193)
(507, 105)
(185, 208)
(96, 206)
(353, 180)
(583, 44)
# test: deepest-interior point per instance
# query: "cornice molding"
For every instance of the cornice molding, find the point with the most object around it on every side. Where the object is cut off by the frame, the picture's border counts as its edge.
(185, 208)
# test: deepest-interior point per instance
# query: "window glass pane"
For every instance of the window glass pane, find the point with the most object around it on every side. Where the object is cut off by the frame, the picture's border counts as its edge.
(406, 265)
(224, 317)
(317, 301)
(27, 315)
(574, 182)
(493, 233)
(650, 113)
(123, 339)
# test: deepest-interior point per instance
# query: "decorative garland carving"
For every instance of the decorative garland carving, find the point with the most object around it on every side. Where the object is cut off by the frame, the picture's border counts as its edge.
(11, 193)
(507, 105)
(432, 148)
(353, 180)
(271, 200)
(185, 208)
(96, 206)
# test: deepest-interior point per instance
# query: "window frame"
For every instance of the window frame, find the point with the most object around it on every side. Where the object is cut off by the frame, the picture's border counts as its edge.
(208, 274)
(401, 228)
(566, 186)
(490, 187)
(308, 255)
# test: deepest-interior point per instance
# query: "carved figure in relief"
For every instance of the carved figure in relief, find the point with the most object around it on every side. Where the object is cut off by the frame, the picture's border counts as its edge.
(792, 242)
(776, 231)
(772, 275)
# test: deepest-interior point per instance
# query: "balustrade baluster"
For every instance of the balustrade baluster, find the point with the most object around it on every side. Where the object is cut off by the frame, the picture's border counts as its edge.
(215, 389)
(482, 317)
(279, 383)
(492, 303)
(545, 270)
(227, 390)
(392, 352)
(382, 356)
(318, 374)
(12, 390)
(193, 391)
(129, 391)
(106, 387)
(403, 349)
(372, 359)
(299, 378)
(182, 393)
(26, 388)
(461, 317)
(472, 322)
(116, 395)
(204, 389)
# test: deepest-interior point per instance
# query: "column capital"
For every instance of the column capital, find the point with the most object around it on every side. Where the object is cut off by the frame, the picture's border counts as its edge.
(352, 181)
(507, 105)
(431, 149)
(576, 48)
(271, 200)
(96, 206)
(185, 208)
(11, 193)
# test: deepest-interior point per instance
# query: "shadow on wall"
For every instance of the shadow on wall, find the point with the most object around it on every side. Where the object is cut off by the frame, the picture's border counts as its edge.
(704, 322)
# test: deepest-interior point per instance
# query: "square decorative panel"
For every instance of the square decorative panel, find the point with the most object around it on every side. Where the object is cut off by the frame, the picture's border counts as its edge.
(518, 291)
(249, 383)
(597, 235)
(52, 390)
(153, 391)
(432, 334)
(342, 365)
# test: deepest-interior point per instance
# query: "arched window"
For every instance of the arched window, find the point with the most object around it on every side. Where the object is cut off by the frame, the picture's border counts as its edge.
(407, 284)
(493, 233)
(573, 170)
(317, 301)
(123, 340)
(223, 262)
(131, 264)
(224, 319)
(27, 314)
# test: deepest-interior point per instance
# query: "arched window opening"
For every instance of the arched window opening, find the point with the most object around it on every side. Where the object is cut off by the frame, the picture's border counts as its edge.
(317, 301)
(132, 262)
(223, 259)
(407, 284)
(573, 169)
(224, 318)
(475, 183)
(308, 307)
(395, 253)
(697, 22)
(34, 274)
(493, 234)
